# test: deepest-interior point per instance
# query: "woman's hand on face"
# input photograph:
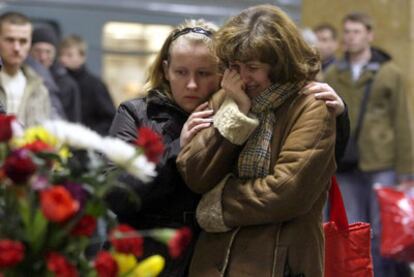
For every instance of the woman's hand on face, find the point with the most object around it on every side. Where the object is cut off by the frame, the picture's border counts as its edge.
(326, 93)
(234, 87)
(200, 118)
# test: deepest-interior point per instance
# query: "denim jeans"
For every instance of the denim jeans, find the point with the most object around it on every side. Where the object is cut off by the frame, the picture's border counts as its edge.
(361, 204)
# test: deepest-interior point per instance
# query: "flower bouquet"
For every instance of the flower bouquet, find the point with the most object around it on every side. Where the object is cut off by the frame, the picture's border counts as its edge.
(53, 180)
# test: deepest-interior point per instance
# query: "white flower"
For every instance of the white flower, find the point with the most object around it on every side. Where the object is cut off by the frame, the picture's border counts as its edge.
(125, 155)
(74, 135)
(116, 150)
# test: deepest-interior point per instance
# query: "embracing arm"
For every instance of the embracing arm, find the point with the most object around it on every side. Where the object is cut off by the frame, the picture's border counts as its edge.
(301, 174)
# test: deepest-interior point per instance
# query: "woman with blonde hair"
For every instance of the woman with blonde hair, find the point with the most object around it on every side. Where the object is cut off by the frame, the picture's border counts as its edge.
(264, 166)
(182, 77)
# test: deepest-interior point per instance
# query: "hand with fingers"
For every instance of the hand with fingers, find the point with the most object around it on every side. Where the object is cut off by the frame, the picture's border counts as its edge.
(326, 93)
(234, 87)
(201, 118)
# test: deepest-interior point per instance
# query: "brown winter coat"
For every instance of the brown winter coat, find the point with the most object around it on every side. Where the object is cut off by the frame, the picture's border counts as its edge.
(280, 216)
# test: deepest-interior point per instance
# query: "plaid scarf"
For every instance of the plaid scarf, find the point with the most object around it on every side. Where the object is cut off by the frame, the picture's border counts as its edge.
(254, 159)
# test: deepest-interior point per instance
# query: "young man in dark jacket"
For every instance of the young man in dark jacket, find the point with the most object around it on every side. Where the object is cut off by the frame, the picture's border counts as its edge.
(97, 107)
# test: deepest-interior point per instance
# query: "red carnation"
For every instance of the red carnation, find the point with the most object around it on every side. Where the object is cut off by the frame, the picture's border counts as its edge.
(6, 131)
(60, 266)
(57, 204)
(11, 252)
(179, 242)
(127, 240)
(151, 143)
(85, 226)
(106, 265)
(38, 146)
(19, 166)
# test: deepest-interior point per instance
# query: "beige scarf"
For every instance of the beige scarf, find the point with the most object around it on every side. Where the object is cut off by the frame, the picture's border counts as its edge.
(254, 159)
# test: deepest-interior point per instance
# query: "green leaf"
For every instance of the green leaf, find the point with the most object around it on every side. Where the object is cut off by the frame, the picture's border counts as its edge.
(95, 208)
(39, 228)
(24, 210)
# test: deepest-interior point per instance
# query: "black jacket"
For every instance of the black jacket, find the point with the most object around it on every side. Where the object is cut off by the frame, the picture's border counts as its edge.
(166, 201)
(69, 93)
(97, 106)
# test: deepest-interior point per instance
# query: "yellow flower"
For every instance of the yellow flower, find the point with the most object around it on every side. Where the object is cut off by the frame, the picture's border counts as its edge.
(150, 267)
(126, 262)
(34, 134)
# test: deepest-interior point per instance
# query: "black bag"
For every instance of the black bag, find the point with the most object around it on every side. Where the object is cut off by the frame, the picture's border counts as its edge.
(350, 158)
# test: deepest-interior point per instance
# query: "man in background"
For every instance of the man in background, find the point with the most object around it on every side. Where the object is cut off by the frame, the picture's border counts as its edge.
(380, 149)
(44, 51)
(21, 90)
(327, 43)
(97, 106)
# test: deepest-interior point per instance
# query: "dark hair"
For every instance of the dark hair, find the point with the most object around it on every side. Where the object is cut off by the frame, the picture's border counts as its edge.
(327, 27)
(267, 34)
(360, 17)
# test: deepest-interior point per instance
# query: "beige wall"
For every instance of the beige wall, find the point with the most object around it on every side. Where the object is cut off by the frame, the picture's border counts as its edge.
(394, 25)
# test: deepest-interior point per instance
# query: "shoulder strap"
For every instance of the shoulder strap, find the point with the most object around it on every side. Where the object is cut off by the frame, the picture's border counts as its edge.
(363, 107)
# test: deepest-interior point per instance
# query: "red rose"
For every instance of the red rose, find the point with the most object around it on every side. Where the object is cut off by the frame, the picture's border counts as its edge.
(11, 252)
(106, 265)
(85, 226)
(38, 146)
(151, 143)
(57, 204)
(19, 166)
(179, 242)
(127, 240)
(6, 131)
(60, 266)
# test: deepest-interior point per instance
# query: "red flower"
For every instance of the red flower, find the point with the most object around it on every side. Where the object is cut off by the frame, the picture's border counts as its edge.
(60, 266)
(151, 143)
(57, 204)
(19, 166)
(105, 265)
(5, 127)
(85, 226)
(127, 240)
(179, 242)
(11, 252)
(38, 146)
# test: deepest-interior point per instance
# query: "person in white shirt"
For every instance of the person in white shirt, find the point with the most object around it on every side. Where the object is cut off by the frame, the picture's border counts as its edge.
(21, 90)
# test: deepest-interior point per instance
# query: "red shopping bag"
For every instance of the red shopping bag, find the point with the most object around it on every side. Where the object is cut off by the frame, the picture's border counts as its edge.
(397, 223)
(347, 247)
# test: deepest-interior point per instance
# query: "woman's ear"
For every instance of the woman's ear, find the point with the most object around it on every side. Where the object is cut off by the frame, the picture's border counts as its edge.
(165, 68)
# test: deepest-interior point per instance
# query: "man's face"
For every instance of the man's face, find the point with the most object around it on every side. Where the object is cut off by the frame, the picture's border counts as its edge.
(71, 58)
(357, 38)
(14, 44)
(326, 44)
(44, 53)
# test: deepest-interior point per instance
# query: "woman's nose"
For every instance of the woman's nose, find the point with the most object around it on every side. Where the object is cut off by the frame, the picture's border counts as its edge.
(192, 84)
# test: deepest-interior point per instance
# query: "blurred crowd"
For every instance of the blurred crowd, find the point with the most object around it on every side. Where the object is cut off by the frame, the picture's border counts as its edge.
(44, 76)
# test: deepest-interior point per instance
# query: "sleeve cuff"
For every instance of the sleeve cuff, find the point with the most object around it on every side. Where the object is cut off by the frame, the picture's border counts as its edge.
(210, 210)
(233, 124)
